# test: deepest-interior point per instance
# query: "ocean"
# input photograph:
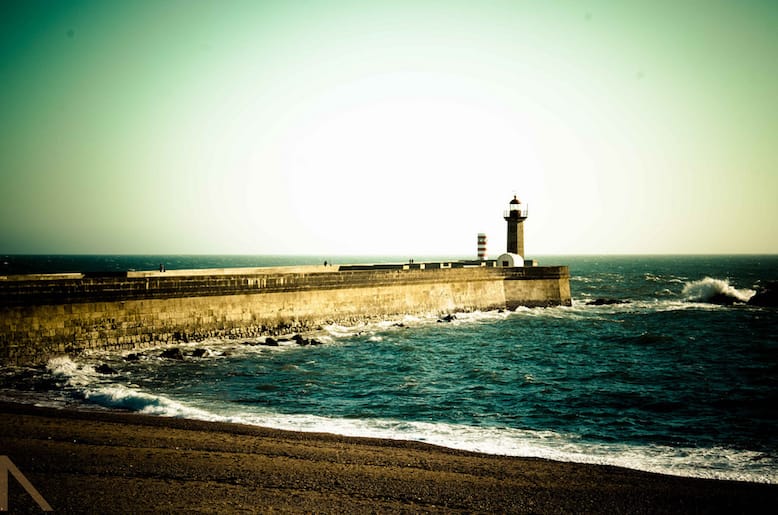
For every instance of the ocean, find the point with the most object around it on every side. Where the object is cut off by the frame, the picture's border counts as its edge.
(644, 371)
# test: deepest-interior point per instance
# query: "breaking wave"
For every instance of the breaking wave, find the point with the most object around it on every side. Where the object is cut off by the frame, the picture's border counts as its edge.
(716, 291)
(98, 391)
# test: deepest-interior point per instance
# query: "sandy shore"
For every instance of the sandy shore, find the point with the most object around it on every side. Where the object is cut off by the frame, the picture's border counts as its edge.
(121, 463)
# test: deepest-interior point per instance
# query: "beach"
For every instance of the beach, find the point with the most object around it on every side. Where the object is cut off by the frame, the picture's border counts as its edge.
(87, 461)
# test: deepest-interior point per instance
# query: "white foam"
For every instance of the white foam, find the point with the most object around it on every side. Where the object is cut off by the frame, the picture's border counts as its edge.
(708, 288)
(717, 463)
(372, 329)
(577, 311)
(713, 463)
(75, 374)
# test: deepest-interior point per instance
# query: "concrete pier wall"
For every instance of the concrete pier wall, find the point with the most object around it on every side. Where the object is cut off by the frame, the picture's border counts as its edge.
(43, 316)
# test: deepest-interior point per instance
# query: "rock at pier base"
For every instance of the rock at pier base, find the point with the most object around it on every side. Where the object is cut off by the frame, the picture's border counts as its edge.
(767, 296)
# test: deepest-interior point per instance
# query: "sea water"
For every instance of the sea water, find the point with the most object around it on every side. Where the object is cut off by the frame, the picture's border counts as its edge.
(652, 377)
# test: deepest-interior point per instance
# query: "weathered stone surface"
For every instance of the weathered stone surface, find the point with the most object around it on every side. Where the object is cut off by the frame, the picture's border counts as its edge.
(40, 318)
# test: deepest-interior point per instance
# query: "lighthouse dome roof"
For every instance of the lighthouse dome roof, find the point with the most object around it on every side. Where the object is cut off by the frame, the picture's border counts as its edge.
(515, 200)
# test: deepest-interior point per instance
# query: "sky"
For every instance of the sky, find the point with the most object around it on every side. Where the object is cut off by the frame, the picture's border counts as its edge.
(397, 127)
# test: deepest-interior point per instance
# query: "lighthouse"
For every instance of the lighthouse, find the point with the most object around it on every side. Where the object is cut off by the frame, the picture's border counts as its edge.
(515, 216)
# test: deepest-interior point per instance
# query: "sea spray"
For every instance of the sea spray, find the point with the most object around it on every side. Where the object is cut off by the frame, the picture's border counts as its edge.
(717, 291)
(74, 374)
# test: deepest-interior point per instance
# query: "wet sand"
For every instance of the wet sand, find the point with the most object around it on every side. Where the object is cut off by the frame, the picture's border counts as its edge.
(120, 463)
